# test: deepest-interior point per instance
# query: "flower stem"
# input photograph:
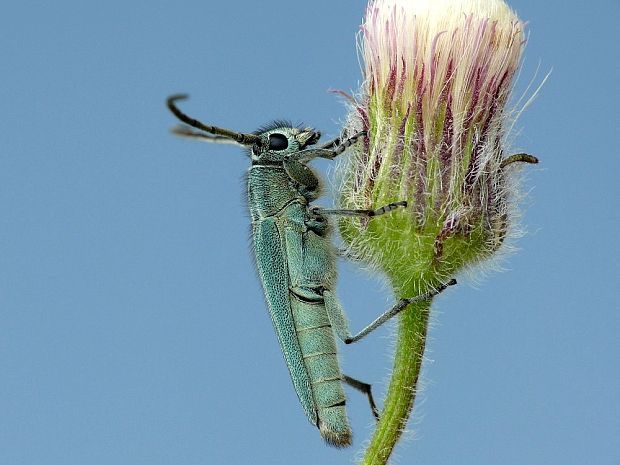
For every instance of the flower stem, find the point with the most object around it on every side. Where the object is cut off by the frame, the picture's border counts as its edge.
(398, 404)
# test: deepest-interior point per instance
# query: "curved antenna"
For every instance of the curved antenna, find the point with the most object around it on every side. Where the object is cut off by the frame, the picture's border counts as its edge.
(240, 138)
(187, 132)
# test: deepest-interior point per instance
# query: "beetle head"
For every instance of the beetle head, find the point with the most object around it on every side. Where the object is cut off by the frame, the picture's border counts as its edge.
(280, 139)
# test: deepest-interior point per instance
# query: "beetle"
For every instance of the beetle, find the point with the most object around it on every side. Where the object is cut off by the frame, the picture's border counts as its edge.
(296, 261)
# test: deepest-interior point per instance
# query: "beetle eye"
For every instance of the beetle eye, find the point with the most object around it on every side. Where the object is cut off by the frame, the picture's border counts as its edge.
(278, 142)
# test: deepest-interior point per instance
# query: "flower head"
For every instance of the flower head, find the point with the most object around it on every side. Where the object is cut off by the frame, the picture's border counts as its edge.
(438, 74)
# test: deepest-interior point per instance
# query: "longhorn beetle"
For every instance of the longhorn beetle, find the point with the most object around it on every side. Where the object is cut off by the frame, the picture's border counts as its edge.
(296, 261)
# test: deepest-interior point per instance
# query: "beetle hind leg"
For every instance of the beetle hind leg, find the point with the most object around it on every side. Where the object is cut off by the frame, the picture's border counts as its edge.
(364, 388)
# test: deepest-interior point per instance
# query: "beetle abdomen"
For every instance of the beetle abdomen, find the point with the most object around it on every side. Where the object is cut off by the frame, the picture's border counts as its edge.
(318, 347)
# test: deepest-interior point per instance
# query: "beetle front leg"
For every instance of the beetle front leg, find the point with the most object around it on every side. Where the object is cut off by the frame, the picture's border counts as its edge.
(304, 156)
(331, 144)
(519, 158)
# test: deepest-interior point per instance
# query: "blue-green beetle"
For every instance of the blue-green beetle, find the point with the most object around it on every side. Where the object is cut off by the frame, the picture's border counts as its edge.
(296, 261)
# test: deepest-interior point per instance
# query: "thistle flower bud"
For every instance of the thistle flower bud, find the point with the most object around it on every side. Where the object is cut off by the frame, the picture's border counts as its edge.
(438, 74)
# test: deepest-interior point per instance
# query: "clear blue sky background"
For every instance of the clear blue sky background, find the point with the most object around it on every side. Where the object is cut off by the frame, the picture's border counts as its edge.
(132, 326)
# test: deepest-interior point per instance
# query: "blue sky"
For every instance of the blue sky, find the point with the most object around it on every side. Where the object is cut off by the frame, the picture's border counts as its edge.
(132, 326)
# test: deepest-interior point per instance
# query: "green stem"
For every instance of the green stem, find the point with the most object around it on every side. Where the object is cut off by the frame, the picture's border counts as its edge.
(398, 404)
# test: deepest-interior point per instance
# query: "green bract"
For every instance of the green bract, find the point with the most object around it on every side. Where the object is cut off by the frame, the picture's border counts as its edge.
(437, 77)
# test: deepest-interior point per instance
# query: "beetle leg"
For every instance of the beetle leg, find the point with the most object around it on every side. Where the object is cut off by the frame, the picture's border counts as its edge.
(367, 213)
(327, 151)
(364, 388)
(341, 326)
(395, 310)
(519, 157)
(331, 144)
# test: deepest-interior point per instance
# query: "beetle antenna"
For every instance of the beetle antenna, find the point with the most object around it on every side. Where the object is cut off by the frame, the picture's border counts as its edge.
(239, 137)
(187, 132)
